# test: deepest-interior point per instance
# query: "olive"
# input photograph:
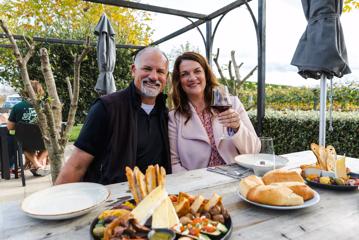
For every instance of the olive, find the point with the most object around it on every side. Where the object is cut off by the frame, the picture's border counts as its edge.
(98, 231)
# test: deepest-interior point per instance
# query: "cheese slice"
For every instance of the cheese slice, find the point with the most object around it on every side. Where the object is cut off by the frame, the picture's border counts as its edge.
(340, 169)
(165, 215)
(149, 204)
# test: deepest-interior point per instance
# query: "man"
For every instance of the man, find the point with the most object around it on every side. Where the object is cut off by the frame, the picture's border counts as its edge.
(126, 128)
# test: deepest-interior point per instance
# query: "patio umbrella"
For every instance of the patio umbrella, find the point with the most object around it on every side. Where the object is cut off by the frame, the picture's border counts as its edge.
(321, 52)
(106, 56)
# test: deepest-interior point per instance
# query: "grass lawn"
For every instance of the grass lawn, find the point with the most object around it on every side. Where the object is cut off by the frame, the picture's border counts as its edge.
(75, 131)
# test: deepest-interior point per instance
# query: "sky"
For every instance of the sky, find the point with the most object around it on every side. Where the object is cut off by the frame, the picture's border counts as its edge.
(285, 23)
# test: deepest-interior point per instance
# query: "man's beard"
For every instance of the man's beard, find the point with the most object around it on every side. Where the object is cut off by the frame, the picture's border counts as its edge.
(150, 88)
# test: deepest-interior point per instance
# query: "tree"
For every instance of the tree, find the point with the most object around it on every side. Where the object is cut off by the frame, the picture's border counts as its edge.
(49, 107)
(350, 5)
(66, 19)
(60, 19)
(236, 81)
(73, 19)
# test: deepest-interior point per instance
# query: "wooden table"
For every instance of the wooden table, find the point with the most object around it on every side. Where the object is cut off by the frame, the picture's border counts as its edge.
(336, 216)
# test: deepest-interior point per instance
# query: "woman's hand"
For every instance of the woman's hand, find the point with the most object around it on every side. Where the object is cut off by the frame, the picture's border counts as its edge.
(230, 119)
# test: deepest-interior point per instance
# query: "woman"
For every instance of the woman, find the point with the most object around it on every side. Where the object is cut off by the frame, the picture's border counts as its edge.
(195, 130)
(24, 112)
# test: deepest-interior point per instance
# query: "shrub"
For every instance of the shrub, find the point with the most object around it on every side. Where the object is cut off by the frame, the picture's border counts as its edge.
(294, 131)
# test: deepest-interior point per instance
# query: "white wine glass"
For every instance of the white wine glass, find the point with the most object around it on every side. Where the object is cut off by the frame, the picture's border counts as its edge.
(265, 159)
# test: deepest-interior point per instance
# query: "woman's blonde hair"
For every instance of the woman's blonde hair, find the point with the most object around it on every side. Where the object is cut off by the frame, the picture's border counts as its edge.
(179, 97)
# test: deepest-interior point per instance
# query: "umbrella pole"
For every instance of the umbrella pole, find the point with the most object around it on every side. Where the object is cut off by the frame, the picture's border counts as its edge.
(323, 102)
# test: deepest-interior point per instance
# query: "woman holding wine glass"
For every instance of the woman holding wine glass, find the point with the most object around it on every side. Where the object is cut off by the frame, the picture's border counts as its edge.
(207, 127)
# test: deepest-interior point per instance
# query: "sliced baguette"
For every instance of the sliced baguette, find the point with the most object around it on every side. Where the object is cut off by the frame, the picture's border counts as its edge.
(298, 188)
(274, 195)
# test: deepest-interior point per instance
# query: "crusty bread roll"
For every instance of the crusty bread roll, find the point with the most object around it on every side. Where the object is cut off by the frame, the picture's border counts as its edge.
(141, 184)
(298, 188)
(151, 179)
(161, 176)
(249, 182)
(132, 184)
(274, 195)
(280, 175)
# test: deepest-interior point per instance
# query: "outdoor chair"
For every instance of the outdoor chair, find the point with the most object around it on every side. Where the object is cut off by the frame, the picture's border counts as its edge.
(29, 138)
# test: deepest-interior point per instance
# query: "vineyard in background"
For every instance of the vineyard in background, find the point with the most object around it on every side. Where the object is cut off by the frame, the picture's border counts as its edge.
(345, 97)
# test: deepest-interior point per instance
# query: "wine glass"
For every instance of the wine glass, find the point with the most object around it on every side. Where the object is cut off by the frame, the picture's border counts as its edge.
(221, 102)
(265, 159)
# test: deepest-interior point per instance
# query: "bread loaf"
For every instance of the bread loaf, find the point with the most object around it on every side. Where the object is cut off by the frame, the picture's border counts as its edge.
(249, 182)
(280, 175)
(298, 188)
(151, 179)
(274, 195)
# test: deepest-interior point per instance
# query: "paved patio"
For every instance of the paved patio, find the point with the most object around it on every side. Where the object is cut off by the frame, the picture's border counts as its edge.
(12, 189)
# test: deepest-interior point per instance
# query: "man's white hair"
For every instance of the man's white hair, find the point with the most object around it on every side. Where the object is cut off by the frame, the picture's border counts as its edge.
(150, 49)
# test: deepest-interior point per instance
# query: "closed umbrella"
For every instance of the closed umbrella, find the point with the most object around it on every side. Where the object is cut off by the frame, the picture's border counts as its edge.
(106, 56)
(321, 52)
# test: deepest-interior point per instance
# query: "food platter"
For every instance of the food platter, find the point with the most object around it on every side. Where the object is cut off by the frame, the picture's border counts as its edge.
(227, 223)
(331, 180)
(331, 186)
(306, 204)
(336, 187)
(65, 201)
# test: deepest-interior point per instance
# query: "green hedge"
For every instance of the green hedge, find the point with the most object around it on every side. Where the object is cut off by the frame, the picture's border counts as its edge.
(294, 131)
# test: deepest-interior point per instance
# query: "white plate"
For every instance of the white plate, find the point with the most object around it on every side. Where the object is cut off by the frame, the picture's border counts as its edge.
(306, 204)
(65, 201)
(252, 161)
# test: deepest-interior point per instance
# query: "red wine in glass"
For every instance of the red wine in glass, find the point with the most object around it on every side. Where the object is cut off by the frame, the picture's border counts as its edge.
(221, 108)
(221, 101)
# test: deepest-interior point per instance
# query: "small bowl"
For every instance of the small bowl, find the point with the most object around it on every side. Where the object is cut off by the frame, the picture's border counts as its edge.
(261, 167)
(161, 234)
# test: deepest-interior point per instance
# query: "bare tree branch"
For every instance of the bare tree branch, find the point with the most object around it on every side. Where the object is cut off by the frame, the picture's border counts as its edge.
(215, 59)
(30, 53)
(235, 66)
(75, 92)
(230, 70)
(56, 105)
(20, 62)
(27, 42)
(248, 75)
(250, 107)
(69, 87)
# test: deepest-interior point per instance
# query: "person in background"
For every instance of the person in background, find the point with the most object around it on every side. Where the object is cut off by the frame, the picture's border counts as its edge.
(3, 118)
(24, 112)
(125, 128)
(195, 129)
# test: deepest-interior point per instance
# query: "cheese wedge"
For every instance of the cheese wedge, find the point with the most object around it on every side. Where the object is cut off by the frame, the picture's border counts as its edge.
(340, 169)
(165, 215)
(149, 204)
